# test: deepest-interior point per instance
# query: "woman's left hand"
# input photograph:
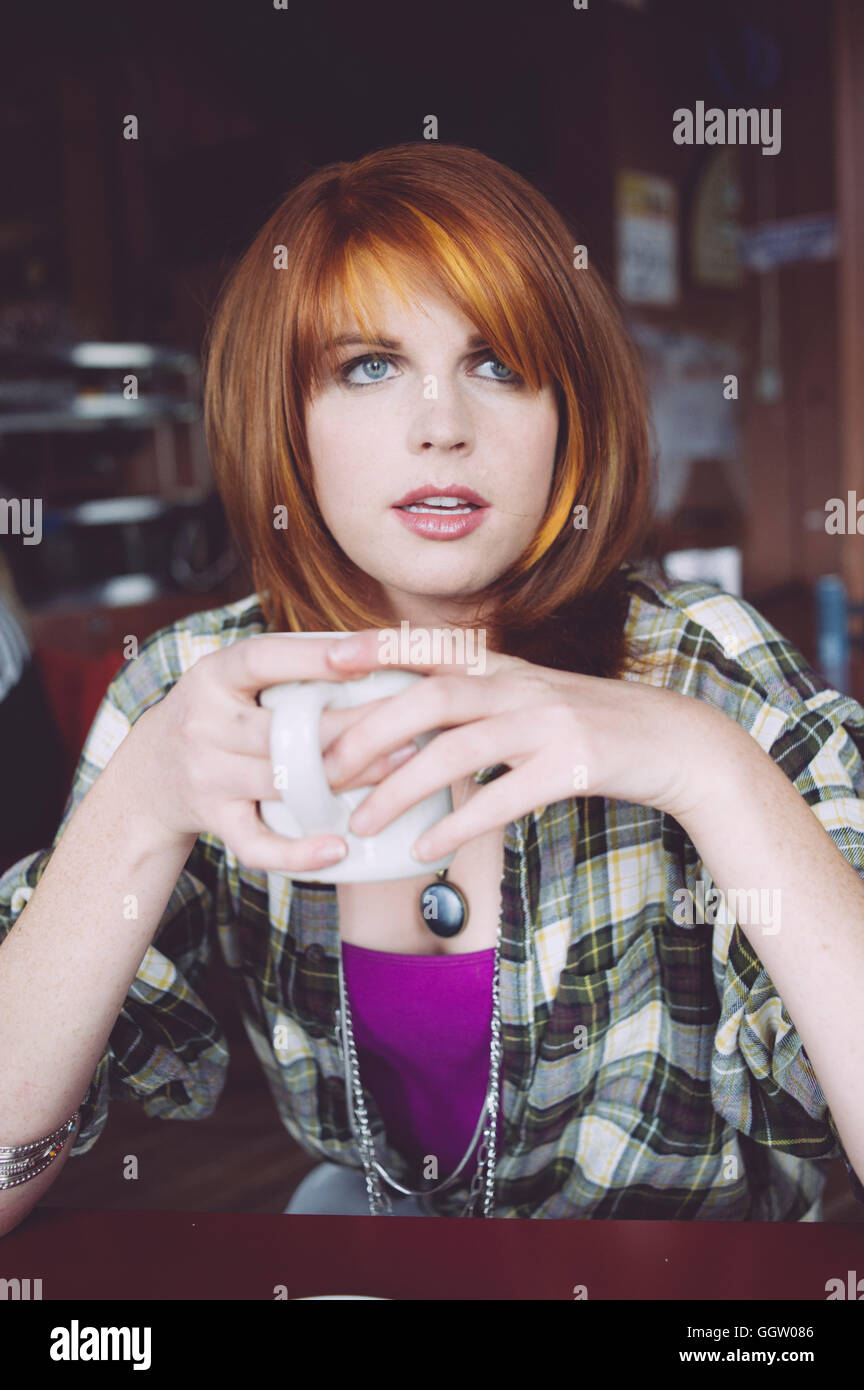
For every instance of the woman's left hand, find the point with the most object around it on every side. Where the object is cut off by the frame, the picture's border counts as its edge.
(560, 734)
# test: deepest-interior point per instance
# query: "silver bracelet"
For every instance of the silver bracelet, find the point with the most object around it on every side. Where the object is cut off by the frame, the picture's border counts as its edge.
(21, 1162)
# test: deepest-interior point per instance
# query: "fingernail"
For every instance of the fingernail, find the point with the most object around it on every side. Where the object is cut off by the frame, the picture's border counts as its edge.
(402, 754)
(420, 851)
(329, 854)
(344, 651)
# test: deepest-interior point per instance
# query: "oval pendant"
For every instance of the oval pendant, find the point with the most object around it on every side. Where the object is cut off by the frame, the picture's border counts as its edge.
(444, 909)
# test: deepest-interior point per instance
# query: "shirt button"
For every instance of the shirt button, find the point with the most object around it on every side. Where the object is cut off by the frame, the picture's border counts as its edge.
(315, 953)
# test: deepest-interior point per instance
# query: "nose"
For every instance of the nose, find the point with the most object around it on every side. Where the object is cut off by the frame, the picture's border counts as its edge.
(440, 421)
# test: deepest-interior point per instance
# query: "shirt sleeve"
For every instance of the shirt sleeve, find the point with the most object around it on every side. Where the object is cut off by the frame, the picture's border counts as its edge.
(166, 1049)
(762, 1081)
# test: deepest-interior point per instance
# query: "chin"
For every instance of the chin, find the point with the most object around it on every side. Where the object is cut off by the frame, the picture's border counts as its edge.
(444, 590)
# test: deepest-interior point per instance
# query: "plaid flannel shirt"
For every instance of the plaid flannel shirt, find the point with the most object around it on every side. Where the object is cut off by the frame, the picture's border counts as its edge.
(691, 1097)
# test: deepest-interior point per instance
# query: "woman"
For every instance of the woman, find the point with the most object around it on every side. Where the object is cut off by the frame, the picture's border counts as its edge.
(600, 1039)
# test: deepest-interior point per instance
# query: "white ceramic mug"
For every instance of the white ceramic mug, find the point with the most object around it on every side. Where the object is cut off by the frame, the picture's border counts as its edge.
(309, 807)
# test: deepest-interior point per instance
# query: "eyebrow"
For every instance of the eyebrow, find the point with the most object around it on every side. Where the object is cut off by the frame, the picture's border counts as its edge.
(392, 344)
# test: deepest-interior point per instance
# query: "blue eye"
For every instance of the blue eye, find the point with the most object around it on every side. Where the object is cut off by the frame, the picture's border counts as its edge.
(382, 360)
(364, 362)
(499, 363)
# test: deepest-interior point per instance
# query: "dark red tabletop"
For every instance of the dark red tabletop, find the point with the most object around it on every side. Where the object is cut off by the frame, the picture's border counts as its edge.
(205, 1255)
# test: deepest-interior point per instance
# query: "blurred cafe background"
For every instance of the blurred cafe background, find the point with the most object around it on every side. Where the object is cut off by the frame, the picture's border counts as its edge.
(740, 274)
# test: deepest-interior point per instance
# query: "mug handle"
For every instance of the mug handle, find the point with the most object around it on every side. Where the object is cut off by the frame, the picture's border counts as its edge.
(295, 745)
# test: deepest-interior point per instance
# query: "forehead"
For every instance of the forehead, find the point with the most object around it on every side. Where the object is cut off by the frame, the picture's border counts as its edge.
(391, 313)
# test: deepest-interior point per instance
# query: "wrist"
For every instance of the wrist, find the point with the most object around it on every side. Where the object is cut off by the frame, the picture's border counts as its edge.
(132, 780)
(715, 764)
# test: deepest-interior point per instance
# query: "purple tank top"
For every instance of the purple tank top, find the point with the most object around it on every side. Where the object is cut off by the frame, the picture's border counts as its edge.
(422, 1028)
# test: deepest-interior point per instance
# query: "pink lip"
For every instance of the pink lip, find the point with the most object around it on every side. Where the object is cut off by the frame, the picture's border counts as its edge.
(433, 490)
(443, 527)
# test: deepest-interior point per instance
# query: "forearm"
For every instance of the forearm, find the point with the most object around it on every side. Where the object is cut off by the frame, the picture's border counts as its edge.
(68, 961)
(753, 830)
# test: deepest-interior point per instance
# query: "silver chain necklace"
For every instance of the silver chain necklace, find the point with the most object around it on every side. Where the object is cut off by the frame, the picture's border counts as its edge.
(379, 1200)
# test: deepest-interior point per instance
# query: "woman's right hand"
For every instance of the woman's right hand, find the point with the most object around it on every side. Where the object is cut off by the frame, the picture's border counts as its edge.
(201, 756)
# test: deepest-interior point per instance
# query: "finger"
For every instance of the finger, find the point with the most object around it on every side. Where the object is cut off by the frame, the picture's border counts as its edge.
(337, 721)
(249, 734)
(506, 799)
(251, 779)
(244, 778)
(273, 779)
(258, 847)
(246, 730)
(269, 658)
(376, 771)
(249, 726)
(442, 762)
(437, 703)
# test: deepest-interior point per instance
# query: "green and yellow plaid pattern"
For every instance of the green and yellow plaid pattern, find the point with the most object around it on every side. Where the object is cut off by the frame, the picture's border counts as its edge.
(649, 1068)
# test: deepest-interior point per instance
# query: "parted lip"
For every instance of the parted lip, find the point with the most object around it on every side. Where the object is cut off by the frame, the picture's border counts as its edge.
(433, 490)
